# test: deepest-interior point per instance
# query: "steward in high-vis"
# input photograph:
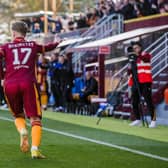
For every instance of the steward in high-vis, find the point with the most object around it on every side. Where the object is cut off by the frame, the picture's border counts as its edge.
(144, 80)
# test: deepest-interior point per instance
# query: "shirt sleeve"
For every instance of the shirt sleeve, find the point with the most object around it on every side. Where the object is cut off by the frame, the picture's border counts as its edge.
(45, 48)
(146, 57)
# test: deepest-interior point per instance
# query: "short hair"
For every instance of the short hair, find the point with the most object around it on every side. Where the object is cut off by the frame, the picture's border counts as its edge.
(20, 27)
(136, 43)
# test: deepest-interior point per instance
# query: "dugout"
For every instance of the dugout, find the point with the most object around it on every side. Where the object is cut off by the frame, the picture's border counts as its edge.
(102, 47)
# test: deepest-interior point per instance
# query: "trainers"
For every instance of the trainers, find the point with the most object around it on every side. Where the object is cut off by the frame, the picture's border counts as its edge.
(61, 109)
(152, 124)
(36, 154)
(136, 123)
(56, 109)
(4, 106)
(24, 143)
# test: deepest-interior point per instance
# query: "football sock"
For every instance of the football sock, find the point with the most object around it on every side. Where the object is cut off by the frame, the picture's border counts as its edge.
(20, 123)
(36, 134)
(34, 148)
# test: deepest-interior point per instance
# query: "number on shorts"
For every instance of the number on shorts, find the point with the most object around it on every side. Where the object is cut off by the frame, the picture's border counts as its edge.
(27, 52)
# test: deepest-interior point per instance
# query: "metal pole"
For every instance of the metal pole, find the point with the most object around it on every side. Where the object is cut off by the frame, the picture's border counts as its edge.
(71, 5)
(54, 9)
(166, 43)
(45, 16)
(101, 75)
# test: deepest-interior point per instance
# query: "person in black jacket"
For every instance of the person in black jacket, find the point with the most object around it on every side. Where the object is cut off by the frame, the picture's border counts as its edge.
(91, 87)
(54, 82)
(65, 78)
(128, 10)
(144, 7)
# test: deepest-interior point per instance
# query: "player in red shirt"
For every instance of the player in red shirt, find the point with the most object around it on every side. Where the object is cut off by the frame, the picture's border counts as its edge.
(20, 85)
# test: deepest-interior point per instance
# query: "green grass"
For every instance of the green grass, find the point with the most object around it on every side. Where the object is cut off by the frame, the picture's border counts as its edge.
(67, 152)
(110, 124)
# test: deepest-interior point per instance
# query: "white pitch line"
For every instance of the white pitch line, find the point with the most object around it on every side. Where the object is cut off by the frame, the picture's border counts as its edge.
(99, 142)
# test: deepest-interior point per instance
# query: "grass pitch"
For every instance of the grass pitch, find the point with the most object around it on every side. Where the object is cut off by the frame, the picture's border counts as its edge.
(67, 152)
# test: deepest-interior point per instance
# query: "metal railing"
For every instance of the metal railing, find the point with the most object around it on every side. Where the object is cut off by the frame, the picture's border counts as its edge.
(159, 61)
(159, 51)
(105, 27)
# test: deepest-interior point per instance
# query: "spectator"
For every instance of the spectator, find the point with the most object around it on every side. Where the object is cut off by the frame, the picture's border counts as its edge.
(128, 10)
(166, 7)
(144, 8)
(92, 19)
(103, 8)
(91, 87)
(163, 8)
(81, 22)
(154, 6)
(111, 8)
(57, 24)
(64, 21)
(36, 28)
(71, 24)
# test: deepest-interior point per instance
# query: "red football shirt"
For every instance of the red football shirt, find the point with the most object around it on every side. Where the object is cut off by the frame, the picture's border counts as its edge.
(20, 59)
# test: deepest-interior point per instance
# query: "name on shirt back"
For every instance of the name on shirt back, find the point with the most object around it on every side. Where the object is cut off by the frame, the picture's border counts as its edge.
(22, 44)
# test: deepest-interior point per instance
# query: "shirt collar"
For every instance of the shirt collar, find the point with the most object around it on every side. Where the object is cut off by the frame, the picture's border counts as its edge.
(19, 39)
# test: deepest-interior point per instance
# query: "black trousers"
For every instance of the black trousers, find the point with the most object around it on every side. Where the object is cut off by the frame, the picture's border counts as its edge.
(65, 94)
(56, 93)
(146, 92)
(61, 93)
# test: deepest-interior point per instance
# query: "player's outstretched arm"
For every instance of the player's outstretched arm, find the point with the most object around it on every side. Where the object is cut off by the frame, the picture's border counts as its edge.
(47, 47)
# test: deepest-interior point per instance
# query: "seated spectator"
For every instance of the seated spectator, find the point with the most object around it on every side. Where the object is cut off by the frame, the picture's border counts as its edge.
(102, 9)
(88, 14)
(154, 6)
(92, 16)
(166, 7)
(144, 8)
(71, 24)
(111, 8)
(128, 10)
(78, 85)
(81, 22)
(36, 28)
(58, 25)
(91, 87)
(64, 21)
(163, 8)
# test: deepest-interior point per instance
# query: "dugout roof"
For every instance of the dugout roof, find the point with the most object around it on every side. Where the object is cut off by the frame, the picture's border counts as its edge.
(118, 38)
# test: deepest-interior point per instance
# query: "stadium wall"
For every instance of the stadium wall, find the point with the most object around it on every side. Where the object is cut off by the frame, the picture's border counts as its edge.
(154, 20)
